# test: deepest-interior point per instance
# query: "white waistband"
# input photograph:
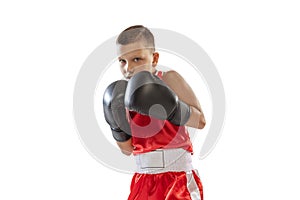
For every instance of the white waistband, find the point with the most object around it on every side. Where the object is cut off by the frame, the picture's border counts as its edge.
(164, 160)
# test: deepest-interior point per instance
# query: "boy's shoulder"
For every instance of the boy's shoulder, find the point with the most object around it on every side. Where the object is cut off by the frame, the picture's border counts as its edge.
(171, 75)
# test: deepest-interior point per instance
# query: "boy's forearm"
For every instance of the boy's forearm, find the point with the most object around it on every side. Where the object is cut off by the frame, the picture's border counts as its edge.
(197, 119)
(126, 147)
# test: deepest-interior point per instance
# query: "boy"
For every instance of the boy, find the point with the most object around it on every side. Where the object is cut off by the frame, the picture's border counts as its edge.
(148, 115)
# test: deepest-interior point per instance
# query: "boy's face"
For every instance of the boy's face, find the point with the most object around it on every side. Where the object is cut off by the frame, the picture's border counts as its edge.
(134, 58)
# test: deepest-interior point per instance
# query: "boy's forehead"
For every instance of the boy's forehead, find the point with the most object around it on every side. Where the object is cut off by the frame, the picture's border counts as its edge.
(130, 48)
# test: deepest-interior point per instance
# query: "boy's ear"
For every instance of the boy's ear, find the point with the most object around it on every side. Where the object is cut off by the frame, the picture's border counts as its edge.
(155, 59)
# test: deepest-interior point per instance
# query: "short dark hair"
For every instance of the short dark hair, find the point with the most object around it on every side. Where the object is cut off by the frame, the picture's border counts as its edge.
(136, 33)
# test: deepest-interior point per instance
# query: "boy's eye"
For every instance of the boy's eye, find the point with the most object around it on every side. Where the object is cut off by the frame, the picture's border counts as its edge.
(122, 61)
(136, 59)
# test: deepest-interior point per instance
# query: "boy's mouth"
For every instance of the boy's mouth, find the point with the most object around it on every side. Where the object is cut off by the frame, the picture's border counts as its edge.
(128, 75)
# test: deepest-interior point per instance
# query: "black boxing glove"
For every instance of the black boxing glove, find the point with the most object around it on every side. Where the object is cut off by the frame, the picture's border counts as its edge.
(114, 110)
(149, 95)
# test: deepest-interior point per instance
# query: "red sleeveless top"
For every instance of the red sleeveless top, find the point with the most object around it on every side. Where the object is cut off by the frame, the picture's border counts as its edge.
(149, 133)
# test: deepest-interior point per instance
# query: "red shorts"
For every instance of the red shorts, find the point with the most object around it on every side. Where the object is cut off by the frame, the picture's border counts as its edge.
(166, 186)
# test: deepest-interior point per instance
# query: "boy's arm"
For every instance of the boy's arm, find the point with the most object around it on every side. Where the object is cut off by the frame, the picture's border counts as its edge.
(126, 147)
(185, 93)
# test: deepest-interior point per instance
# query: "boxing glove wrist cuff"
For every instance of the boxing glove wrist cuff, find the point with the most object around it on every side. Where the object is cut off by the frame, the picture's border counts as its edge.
(181, 114)
(119, 135)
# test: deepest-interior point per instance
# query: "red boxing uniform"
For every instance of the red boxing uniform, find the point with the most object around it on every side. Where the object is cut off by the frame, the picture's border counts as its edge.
(155, 139)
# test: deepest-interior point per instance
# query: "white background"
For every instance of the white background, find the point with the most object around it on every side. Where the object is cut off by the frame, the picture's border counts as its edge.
(254, 44)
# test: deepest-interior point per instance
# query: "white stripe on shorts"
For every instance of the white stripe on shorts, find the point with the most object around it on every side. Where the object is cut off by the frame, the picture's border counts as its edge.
(192, 186)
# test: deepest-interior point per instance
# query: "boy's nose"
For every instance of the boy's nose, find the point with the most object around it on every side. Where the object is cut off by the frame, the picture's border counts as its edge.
(128, 68)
